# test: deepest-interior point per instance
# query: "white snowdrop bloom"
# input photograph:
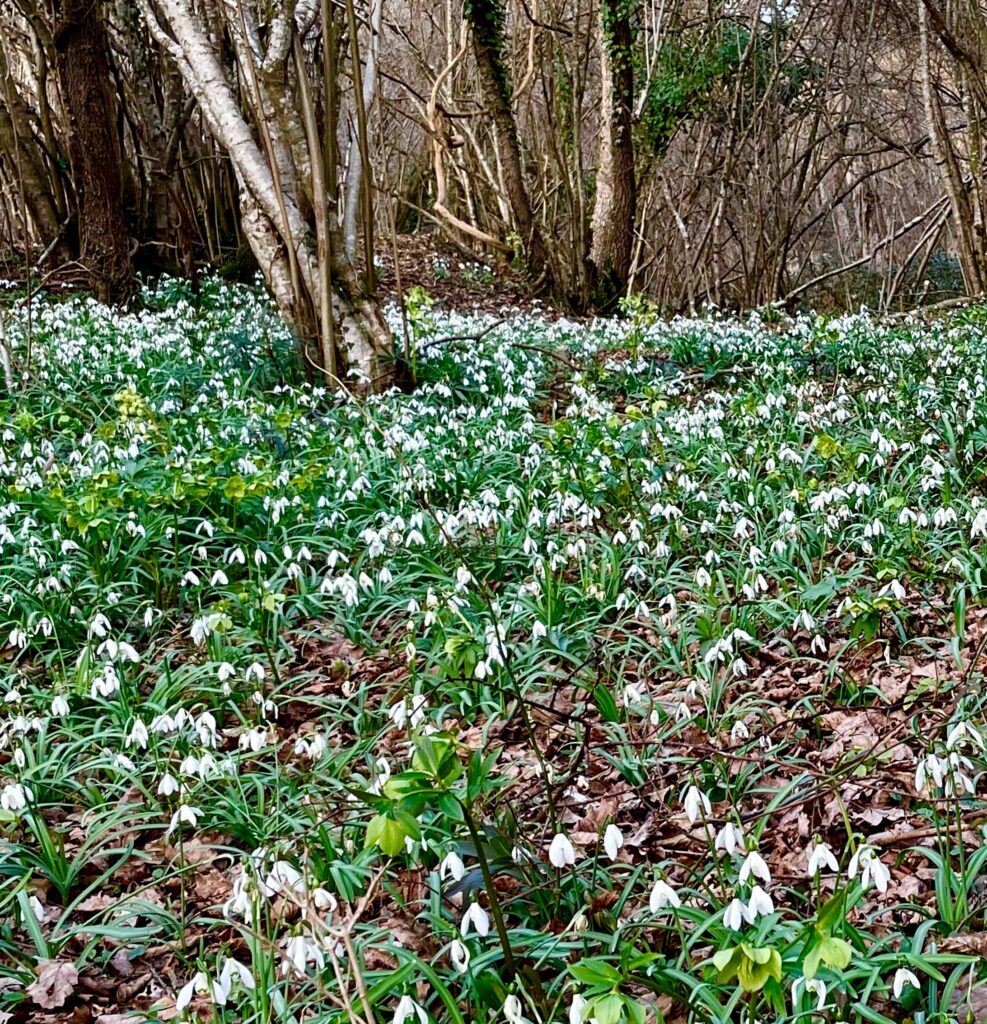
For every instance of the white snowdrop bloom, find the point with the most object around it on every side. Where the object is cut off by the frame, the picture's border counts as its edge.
(962, 731)
(299, 952)
(695, 799)
(459, 955)
(225, 671)
(452, 866)
(613, 840)
(577, 1009)
(17, 638)
(663, 895)
(814, 986)
(168, 785)
(232, 971)
(730, 838)
(930, 767)
(979, 526)
(819, 855)
(513, 1011)
(703, 578)
(59, 706)
(185, 815)
(759, 904)
(254, 740)
(408, 1009)
(903, 977)
(15, 796)
(538, 631)
(283, 878)
(100, 626)
(138, 735)
(871, 869)
(733, 916)
(477, 918)
(561, 852)
(754, 865)
(260, 557)
(200, 985)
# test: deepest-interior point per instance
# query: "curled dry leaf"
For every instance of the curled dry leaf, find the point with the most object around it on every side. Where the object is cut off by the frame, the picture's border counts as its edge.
(55, 983)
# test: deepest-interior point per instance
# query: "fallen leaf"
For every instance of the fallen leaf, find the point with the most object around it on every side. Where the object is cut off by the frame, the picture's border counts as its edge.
(56, 982)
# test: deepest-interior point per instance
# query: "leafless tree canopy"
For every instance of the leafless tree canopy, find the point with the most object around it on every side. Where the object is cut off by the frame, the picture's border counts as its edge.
(737, 153)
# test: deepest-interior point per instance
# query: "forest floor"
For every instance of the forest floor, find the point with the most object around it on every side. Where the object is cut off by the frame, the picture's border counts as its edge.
(625, 671)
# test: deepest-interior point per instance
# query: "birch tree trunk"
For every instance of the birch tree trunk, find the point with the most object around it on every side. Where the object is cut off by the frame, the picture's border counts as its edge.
(297, 270)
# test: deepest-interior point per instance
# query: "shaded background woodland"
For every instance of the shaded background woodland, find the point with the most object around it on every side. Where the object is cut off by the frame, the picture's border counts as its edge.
(828, 151)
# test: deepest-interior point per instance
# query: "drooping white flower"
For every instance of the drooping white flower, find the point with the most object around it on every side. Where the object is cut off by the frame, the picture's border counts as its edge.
(870, 867)
(560, 851)
(733, 916)
(730, 838)
(814, 986)
(459, 954)
(452, 865)
(476, 917)
(663, 895)
(613, 840)
(754, 865)
(903, 977)
(759, 905)
(512, 1010)
(820, 856)
(695, 799)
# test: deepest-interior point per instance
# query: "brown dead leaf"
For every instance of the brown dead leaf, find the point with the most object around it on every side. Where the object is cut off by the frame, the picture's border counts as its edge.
(56, 981)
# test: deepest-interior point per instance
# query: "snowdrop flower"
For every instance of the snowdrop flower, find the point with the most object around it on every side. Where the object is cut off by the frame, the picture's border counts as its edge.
(459, 955)
(754, 865)
(733, 916)
(820, 856)
(663, 895)
(577, 1008)
(871, 869)
(814, 986)
(613, 840)
(477, 917)
(903, 977)
(200, 985)
(453, 866)
(232, 971)
(760, 904)
(15, 796)
(512, 1010)
(407, 1009)
(561, 852)
(695, 799)
(730, 838)
(186, 815)
(59, 706)
(168, 785)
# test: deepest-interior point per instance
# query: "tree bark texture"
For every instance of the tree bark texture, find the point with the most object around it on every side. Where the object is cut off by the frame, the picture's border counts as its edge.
(84, 76)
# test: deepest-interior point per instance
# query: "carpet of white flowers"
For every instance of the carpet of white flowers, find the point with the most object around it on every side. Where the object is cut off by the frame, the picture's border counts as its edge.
(628, 671)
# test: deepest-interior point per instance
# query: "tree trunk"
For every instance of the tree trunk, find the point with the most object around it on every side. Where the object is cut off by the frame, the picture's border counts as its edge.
(84, 75)
(486, 18)
(283, 241)
(615, 206)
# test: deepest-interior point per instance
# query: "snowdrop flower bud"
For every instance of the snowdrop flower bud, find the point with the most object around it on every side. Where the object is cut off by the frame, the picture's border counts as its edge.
(694, 799)
(561, 852)
(613, 840)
